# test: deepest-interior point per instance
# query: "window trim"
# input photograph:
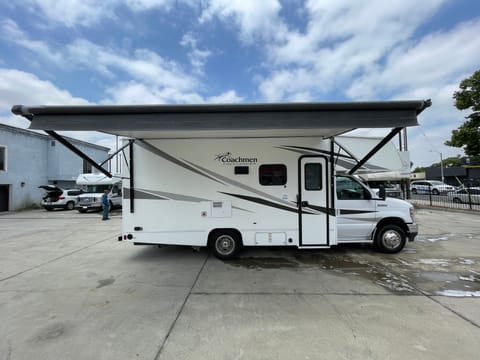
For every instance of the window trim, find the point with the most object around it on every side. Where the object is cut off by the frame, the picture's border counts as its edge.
(5, 163)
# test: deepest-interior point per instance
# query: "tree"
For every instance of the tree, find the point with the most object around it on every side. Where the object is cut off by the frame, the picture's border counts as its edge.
(468, 134)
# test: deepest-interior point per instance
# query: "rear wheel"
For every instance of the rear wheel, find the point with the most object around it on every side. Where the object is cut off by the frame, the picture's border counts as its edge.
(435, 192)
(457, 201)
(390, 239)
(225, 244)
(70, 205)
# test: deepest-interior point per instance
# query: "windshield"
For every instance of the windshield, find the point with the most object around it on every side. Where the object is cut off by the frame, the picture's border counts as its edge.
(97, 188)
(436, 182)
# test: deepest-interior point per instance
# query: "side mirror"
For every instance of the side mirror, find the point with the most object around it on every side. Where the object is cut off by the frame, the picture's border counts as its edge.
(382, 193)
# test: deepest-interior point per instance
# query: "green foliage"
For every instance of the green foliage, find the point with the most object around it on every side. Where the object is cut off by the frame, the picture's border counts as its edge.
(468, 134)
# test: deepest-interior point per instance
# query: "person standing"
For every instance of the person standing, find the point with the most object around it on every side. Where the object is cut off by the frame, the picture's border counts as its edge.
(105, 204)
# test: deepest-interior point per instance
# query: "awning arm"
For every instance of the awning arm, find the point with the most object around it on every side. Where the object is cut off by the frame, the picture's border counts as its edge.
(116, 152)
(80, 153)
(372, 152)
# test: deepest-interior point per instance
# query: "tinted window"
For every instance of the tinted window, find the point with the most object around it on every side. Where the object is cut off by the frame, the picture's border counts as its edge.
(241, 170)
(349, 189)
(313, 176)
(275, 174)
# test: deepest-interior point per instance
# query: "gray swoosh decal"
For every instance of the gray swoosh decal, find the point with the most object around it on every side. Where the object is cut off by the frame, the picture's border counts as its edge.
(244, 187)
(170, 158)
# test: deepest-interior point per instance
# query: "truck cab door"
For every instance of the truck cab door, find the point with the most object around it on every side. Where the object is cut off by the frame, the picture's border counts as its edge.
(313, 201)
(357, 210)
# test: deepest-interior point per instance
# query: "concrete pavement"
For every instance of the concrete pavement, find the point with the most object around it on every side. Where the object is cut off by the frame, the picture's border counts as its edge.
(69, 290)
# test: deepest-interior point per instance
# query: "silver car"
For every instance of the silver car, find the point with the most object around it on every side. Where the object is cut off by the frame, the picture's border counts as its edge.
(426, 186)
(465, 196)
(58, 198)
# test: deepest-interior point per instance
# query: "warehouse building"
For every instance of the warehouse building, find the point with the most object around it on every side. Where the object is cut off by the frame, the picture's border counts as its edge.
(29, 159)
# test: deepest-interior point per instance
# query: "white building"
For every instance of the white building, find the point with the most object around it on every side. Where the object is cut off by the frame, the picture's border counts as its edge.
(29, 159)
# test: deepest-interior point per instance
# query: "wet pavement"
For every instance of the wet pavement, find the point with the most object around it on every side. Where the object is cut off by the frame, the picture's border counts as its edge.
(68, 289)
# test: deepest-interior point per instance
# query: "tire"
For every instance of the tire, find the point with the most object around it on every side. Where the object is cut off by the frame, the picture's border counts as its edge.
(390, 239)
(414, 191)
(225, 244)
(457, 201)
(435, 192)
(70, 205)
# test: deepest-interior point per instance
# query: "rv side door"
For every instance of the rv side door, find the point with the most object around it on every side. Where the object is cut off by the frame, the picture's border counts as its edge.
(313, 201)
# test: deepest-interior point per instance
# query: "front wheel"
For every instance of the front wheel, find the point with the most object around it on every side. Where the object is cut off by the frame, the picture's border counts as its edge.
(435, 192)
(225, 244)
(390, 239)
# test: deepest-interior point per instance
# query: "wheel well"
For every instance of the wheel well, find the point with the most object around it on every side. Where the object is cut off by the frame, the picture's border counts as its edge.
(212, 233)
(390, 221)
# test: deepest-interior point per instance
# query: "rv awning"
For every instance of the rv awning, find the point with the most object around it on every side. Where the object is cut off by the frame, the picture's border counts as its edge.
(225, 120)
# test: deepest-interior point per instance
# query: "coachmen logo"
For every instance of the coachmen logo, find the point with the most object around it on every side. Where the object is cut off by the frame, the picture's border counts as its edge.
(229, 159)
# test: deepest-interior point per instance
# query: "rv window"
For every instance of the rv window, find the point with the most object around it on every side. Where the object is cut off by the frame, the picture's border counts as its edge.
(274, 174)
(241, 170)
(313, 176)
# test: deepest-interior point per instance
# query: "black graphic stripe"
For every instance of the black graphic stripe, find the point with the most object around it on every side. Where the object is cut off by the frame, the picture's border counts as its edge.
(265, 202)
(322, 209)
(349, 212)
(139, 194)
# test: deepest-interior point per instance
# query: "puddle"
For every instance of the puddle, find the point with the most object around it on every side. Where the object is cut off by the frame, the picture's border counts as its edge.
(459, 293)
(341, 264)
(434, 276)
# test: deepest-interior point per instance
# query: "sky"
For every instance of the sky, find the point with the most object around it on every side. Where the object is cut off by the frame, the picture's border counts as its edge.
(74, 52)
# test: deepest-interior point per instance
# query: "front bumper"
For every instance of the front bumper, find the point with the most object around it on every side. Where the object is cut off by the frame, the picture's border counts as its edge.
(412, 231)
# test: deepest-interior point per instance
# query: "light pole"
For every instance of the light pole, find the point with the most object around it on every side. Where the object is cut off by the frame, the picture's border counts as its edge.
(441, 164)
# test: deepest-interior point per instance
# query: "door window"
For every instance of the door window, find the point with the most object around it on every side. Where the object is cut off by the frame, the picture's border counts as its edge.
(313, 177)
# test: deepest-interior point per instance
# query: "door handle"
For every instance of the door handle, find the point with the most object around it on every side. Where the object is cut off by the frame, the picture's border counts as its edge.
(305, 203)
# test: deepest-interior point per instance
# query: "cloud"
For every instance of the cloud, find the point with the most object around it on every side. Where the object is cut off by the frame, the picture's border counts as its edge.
(19, 87)
(76, 12)
(198, 57)
(88, 13)
(341, 42)
(228, 97)
(254, 19)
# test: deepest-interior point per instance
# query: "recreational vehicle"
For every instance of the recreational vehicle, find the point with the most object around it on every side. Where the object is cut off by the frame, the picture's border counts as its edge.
(93, 186)
(229, 176)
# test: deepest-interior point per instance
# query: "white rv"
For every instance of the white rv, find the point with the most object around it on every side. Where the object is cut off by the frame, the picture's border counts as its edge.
(94, 186)
(229, 176)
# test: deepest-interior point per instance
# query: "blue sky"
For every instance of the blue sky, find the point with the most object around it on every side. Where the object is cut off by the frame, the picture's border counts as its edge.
(229, 51)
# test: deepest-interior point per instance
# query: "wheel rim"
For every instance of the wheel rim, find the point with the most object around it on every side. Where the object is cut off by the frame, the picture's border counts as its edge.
(70, 206)
(225, 245)
(391, 239)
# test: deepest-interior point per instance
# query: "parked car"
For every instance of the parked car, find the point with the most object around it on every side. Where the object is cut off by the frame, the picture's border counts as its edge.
(465, 195)
(427, 186)
(58, 198)
(391, 190)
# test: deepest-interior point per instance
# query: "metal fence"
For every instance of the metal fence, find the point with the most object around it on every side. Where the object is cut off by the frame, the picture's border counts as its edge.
(465, 198)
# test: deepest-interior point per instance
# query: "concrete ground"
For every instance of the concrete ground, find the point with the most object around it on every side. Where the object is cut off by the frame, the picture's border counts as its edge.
(69, 290)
